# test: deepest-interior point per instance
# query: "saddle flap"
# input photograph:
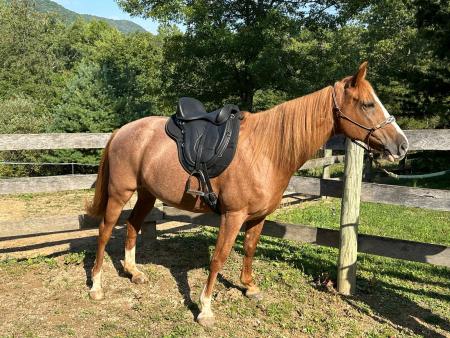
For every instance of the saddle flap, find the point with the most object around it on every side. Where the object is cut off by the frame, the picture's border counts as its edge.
(206, 143)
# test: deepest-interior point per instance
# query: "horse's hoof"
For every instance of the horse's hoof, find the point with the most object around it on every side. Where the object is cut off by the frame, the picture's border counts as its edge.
(206, 321)
(96, 294)
(139, 278)
(254, 294)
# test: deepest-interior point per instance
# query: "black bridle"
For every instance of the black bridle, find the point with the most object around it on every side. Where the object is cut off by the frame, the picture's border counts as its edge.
(340, 115)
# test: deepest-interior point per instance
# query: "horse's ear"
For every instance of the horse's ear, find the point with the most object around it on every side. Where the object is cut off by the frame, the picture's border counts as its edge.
(360, 75)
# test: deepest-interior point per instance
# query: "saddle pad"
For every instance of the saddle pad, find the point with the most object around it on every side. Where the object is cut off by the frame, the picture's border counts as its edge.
(213, 145)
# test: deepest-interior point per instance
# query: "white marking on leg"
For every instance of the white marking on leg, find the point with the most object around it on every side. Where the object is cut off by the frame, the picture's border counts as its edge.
(130, 257)
(205, 303)
(129, 263)
(97, 281)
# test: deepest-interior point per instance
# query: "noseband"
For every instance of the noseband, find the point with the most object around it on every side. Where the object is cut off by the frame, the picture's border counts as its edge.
(340, 115)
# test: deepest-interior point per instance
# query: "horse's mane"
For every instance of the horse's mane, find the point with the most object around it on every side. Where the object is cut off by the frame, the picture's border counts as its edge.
(292, 131)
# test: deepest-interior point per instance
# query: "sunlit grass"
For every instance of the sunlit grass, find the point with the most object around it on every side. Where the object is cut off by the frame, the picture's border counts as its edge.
(375, 219)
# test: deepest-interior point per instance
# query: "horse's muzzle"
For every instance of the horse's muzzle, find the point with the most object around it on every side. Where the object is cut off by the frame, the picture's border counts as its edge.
(396, 150)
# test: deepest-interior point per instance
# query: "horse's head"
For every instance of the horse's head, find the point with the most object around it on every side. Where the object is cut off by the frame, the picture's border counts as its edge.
(360, 115)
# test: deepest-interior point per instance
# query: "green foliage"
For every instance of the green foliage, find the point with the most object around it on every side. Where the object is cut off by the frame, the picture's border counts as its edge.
(416, 224)
(28, 52)
(234, 50)
(86, 105)
(22, 114)
(75, 258)
(60, 72)
(85, 77)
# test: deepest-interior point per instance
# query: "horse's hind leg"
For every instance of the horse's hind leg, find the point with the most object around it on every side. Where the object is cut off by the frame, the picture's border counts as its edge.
(252, 234)
(144, 205)
(113, 209)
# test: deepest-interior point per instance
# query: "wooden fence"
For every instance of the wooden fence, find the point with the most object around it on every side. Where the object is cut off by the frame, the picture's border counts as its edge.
(351, 190)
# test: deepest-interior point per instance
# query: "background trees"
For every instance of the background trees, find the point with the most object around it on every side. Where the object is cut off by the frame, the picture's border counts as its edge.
(82, 76)
(266, 51)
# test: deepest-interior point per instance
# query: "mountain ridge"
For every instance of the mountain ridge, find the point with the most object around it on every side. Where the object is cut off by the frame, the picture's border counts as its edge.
(68, 16)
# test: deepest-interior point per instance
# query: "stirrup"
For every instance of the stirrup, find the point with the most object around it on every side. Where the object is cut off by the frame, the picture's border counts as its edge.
(188, 184)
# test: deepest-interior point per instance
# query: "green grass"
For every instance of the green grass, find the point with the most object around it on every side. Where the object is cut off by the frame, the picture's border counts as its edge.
(375, 219)
(386, 287)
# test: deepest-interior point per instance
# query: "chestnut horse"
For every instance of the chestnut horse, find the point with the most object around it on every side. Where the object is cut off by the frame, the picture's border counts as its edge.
(272, 146)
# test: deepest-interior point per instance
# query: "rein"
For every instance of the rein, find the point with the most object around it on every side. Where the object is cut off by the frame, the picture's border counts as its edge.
(340, 115)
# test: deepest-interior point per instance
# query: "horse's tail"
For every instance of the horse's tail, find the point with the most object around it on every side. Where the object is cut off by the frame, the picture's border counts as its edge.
(97, 207)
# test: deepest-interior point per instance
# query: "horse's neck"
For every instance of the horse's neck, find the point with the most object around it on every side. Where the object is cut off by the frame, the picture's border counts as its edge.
(298, 128)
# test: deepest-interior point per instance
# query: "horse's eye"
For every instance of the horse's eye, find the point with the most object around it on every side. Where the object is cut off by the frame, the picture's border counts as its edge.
(367, 105)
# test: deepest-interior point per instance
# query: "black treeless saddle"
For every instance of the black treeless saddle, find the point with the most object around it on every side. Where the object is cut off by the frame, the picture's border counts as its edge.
(206, 143)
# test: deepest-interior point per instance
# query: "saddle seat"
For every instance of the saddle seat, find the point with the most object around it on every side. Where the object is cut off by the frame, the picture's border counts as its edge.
(190, 109)
(206, 142)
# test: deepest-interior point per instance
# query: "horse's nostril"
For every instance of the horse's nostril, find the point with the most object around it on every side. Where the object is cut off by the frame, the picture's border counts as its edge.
(403, 148)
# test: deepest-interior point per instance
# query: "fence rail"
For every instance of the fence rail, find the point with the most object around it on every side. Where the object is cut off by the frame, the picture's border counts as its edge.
(424, 139)
(434, 199)
(348, 242)
(375, 245)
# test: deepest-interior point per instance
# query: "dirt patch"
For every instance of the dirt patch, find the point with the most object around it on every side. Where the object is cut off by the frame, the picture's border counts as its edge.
(16, 208)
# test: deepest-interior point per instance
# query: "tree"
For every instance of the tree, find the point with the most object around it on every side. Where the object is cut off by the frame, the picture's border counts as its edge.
(433, 22)
(130, 68)
(233, 48)
(28, 52)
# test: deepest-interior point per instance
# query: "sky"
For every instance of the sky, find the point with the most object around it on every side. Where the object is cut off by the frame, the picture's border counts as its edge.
(107, 9)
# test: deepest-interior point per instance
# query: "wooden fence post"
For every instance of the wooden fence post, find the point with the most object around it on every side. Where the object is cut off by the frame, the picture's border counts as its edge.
(326, 169)
(348, 244)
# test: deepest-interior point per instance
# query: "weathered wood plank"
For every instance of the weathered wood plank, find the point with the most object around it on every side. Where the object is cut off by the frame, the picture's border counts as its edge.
(63, 223)
(421, 139)
(326, 169)
(46, 184)
(434, 199)
(348, 235)
(381, 246)
(53, 141)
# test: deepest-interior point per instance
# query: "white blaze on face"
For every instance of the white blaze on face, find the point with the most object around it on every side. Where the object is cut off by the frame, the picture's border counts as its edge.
(386, 115)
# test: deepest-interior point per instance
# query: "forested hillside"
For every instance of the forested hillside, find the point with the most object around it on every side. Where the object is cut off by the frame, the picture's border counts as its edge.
(68, 16)
(89, 77)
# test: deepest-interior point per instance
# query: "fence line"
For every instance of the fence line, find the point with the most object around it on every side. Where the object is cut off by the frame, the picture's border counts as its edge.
(434, 199)
(423, 139)
(347, 239)
(375, 245)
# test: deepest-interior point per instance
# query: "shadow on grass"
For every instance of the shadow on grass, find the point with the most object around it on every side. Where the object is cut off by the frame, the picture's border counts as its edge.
(385, 300)
(179, 254)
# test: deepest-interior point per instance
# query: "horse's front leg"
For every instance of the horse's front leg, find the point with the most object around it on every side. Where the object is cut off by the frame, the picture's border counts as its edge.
(252, 234)
(229, 228)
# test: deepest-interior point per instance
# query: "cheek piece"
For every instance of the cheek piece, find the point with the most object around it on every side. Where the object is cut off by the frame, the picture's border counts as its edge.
(370, 130)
